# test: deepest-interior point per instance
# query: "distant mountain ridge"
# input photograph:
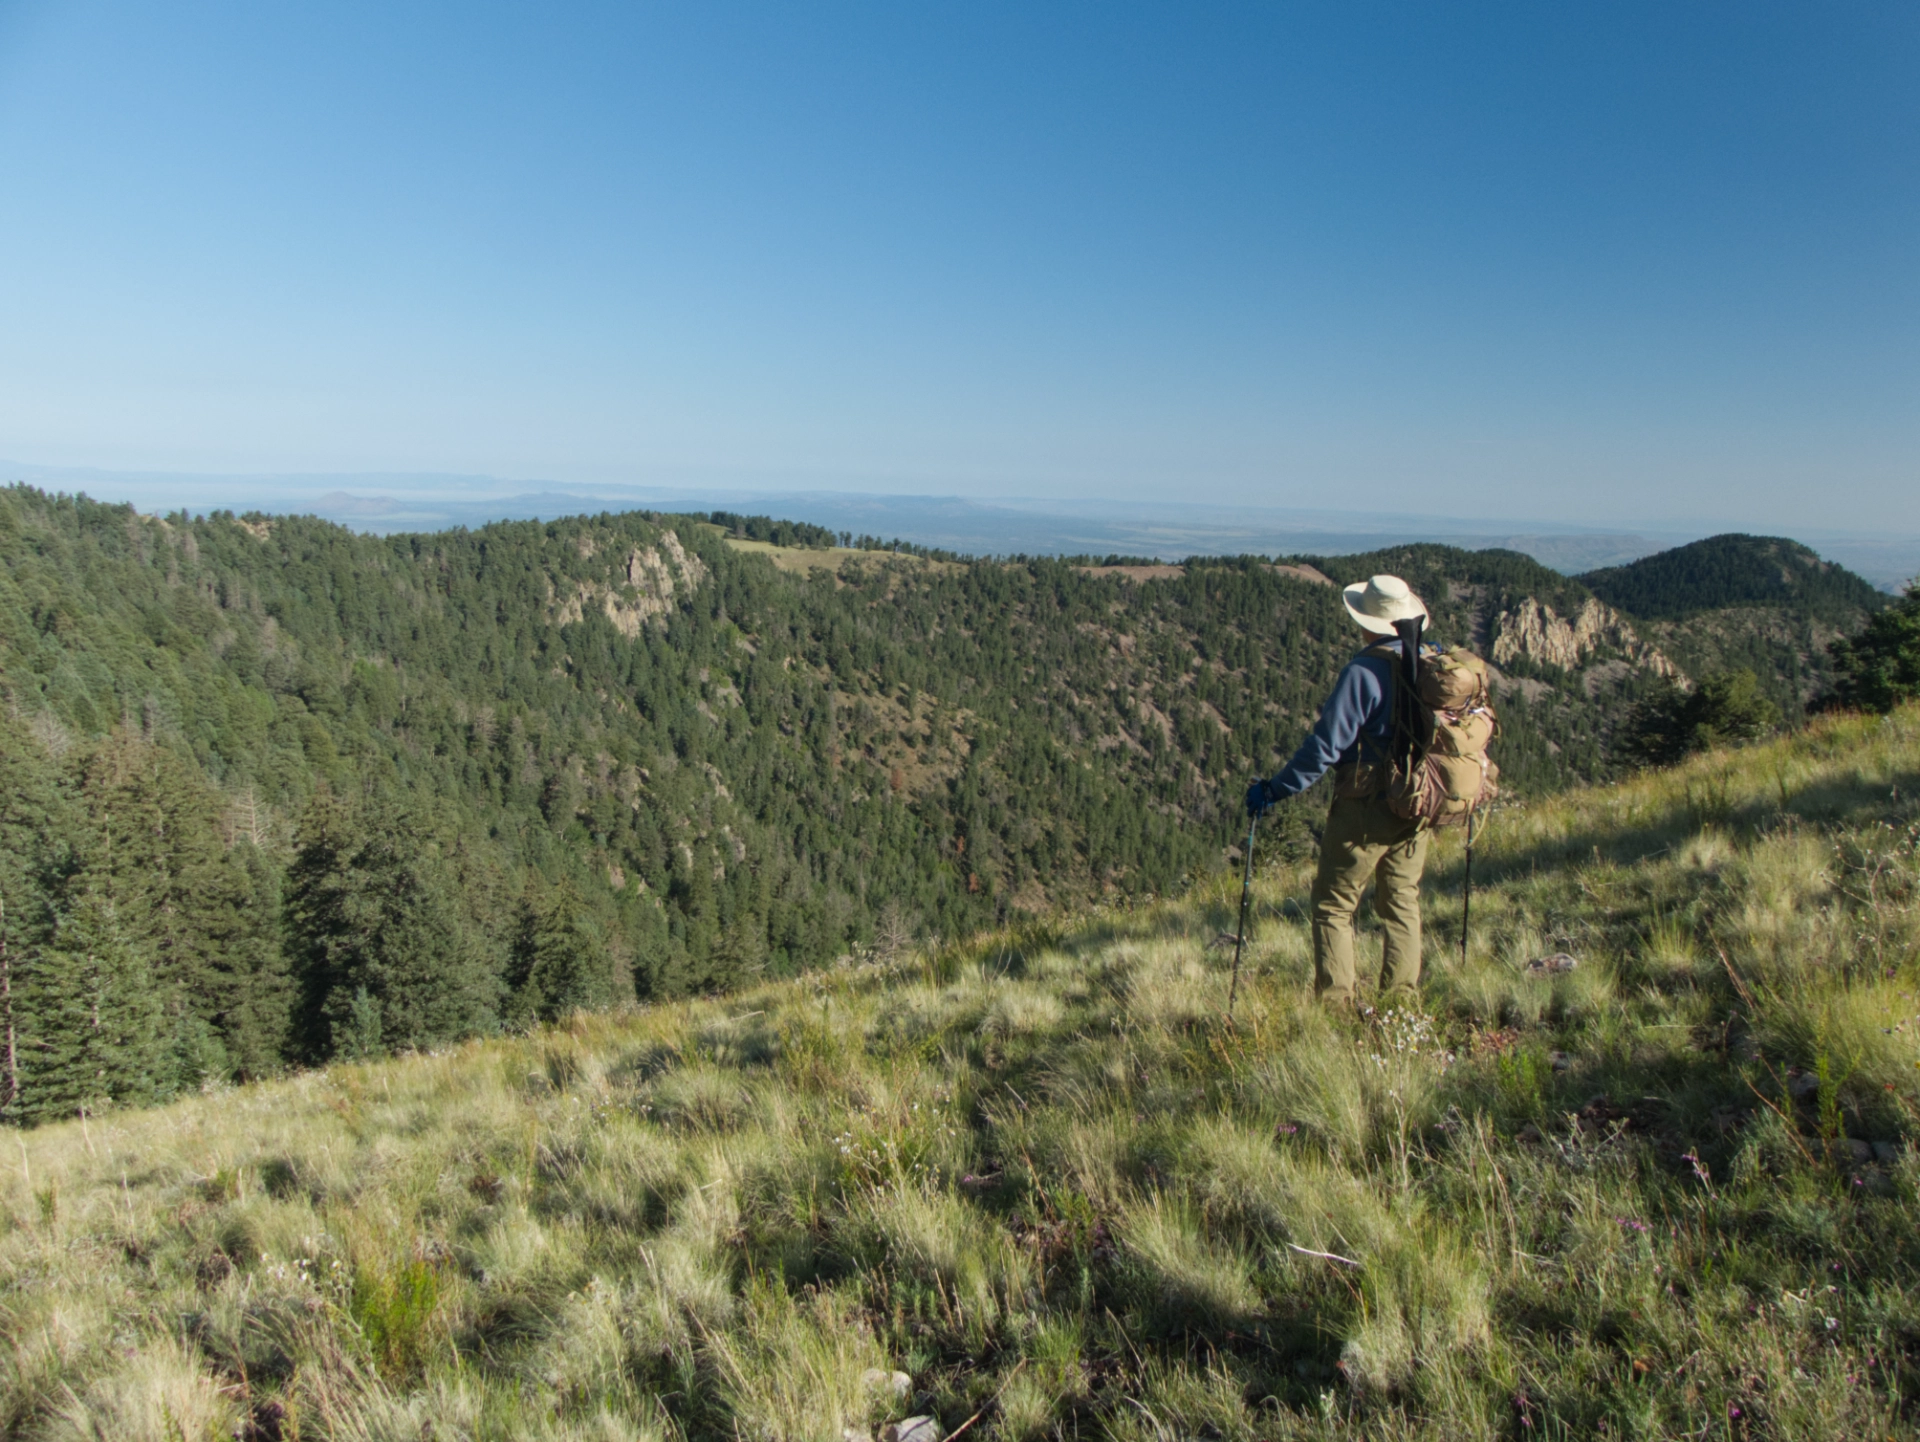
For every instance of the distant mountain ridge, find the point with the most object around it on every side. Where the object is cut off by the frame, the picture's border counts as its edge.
(384, 503)
(1766, 604)
(1735, 570)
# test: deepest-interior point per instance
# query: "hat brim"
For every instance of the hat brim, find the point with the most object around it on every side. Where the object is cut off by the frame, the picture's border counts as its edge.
(1377, 625)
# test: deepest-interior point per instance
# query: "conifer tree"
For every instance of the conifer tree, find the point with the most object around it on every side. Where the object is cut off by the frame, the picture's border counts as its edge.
(37, 830)
(385, 961)
(561, 962)
(202, 911)
(523, 999)
(257, 1019)
(1880, 668)
(317, 918)
(90, 1019)
(411, 953)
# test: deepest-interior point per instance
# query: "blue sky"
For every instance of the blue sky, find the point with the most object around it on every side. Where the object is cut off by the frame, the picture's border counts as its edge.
(1615, 264)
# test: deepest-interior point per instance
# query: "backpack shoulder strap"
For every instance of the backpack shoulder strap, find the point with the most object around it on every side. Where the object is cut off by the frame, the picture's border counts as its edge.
(1388, 652)
(1412, 718)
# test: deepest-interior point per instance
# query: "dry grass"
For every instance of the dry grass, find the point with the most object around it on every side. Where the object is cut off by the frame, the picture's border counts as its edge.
(1038, 1173)
(805, 560)
(800, 559)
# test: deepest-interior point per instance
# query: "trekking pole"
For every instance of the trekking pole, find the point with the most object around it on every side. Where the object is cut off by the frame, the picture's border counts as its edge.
(1466, 891)
(1246, 895)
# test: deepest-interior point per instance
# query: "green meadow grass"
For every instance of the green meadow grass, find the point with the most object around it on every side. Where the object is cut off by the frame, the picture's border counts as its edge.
(1666, 1194)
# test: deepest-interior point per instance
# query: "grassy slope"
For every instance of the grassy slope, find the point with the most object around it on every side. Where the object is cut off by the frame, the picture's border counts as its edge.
(802, 560)
(1037, 1173)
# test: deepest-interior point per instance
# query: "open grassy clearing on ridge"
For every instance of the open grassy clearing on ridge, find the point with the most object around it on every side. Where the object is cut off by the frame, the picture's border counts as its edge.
(1037, 1173)
(805, 560)
(802, 560)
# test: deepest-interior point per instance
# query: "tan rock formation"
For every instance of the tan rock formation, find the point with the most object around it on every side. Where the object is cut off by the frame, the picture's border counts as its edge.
(1533, 632)
(645, 587)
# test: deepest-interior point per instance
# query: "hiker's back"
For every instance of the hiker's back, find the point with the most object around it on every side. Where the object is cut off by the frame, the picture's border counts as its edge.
(1439, 770)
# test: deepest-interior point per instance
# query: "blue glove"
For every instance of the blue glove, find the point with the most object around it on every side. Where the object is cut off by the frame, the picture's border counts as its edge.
(1259, 797)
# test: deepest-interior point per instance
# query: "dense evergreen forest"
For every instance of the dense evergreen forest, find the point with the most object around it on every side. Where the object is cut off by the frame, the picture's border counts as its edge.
(272, 792)
(1736, 570)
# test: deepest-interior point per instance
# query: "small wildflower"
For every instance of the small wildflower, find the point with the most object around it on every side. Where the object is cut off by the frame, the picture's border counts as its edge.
(1699, 1169)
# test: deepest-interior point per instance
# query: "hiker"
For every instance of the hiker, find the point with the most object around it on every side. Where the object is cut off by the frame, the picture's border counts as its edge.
(1365, 836)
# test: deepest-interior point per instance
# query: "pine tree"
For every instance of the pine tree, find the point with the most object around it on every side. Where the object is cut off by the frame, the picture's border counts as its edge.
(411, 952)
(257, 1021)
(561, 961)
(524, 1001)
(203, 911)
(1880, 668)
(38, 827)
(90, 1019)
(385, 962)
(317, 918)
(1671, 724)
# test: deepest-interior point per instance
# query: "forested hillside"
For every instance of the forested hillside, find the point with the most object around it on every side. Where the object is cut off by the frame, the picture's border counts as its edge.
(1757, 603)
(276, 792)
(1736, 570)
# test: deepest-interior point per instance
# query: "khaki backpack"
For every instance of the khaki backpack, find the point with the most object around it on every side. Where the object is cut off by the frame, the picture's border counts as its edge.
(1441, 773)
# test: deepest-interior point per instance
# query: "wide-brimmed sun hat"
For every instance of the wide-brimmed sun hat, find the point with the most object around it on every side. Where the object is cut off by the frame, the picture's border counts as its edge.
(1379, 601)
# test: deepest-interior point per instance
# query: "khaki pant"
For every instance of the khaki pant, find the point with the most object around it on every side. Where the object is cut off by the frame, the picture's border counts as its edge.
(1366, 840)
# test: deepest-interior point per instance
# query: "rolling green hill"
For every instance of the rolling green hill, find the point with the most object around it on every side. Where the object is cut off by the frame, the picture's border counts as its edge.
(1758, 603)
(1737, 570)
(1033, 1184)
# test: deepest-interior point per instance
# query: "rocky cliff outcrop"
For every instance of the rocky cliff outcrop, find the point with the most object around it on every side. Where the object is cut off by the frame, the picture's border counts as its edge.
(643, 586)
(1533, 632)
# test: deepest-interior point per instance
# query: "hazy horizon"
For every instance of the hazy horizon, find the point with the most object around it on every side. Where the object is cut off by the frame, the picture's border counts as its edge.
(1036, 525)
